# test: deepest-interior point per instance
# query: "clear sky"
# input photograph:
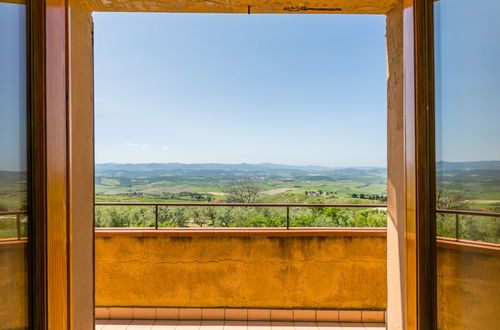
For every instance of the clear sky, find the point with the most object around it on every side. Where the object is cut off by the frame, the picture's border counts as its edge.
(198, 88)
(467, 80)
(12, 87)
(295, 89)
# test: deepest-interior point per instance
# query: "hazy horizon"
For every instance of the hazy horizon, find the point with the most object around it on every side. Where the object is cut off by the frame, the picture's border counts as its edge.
(268, 163)
(282, 164)
(241, 163)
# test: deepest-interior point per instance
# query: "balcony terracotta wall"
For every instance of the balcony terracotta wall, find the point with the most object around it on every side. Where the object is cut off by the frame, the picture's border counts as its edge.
(241, 270)
(13, 290)
(468, 281)
(140, 268)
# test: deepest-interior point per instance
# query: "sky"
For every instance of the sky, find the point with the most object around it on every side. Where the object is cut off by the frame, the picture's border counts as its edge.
(467, 80)
(221, 88)
(12, 87)
(293, 89)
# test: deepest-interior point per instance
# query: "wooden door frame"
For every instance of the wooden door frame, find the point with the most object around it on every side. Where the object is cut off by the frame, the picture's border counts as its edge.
(61, 158)
(62, 247)
(420, 184)
(61, 243)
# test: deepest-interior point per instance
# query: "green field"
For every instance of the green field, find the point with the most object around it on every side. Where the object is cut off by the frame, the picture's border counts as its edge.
(212, 183)
(467, 186)
(222, 183)
(460, 186)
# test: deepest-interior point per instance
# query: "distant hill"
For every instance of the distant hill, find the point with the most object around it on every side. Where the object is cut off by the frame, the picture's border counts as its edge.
(205, 166)
(468, 166)
(245, 169)
(8, 178)
(210, 169)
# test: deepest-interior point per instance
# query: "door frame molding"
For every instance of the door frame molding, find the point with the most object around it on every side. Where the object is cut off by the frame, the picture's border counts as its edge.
(47, 67)
(55, 95)
(420, 185)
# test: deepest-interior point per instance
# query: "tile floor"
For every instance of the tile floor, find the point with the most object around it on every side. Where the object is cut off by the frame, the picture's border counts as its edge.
(230, 325)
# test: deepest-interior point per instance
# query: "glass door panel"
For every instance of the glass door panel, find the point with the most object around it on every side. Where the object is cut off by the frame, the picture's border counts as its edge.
(467, 62)
(13, 169)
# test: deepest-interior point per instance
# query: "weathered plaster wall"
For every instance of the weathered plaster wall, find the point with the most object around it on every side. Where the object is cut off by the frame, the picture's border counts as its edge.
(241, 6)
(241, 271)
(468, 289)
(13, 285)
(284, 271)
(82, 169)
(395, 170)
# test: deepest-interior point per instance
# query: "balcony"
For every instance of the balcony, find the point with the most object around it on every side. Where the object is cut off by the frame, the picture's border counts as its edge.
(261, 277)
(264, 275)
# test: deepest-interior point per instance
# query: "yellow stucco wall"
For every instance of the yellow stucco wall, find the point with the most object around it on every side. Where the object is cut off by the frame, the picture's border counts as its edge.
(285, 271)
(241, 271)
(13, 285)
(468, 289)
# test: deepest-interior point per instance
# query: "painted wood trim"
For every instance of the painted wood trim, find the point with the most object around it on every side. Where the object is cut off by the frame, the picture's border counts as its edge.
(469, 246)
(38, 228)
(48, 89)
(420, 233)
(81, 166)
(15, 2)
(245, 232)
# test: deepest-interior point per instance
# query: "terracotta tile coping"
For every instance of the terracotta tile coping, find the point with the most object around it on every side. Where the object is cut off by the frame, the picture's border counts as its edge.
(247, 232)
(240, 314)
(443, 242)
(6, 243)
(469, 246)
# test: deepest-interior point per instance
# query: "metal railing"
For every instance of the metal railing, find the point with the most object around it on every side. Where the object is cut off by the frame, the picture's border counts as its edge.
(287, 206)
(458, 213)
(18, 215)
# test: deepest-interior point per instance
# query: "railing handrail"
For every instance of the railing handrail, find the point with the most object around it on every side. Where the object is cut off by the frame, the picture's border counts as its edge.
(237, 204)
(451, 211)
(467, 212)
(13, 212)
(287, 205)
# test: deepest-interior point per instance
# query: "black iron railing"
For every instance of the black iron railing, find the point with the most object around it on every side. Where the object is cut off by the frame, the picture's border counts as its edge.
(18, 215)
(459, 213)
(286, 206)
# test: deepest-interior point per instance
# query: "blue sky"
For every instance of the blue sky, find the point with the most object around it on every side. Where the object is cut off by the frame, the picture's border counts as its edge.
(467, 80)
(12, 87)
(197, 88)
(296, 89)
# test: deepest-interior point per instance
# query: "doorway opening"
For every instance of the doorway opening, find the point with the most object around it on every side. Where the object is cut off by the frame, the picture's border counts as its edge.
(235, 154)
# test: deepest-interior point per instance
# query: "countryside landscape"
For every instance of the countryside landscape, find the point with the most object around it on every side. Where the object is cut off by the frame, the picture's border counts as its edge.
(466, 186)
(240, 183)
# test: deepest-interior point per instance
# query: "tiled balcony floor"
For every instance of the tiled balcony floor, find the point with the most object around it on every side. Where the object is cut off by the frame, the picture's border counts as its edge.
(230, 325)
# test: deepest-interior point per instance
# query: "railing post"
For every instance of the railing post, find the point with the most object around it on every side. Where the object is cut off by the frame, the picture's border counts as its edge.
(457, 227)
(18, 226)
(288, 217)
(156, 216)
